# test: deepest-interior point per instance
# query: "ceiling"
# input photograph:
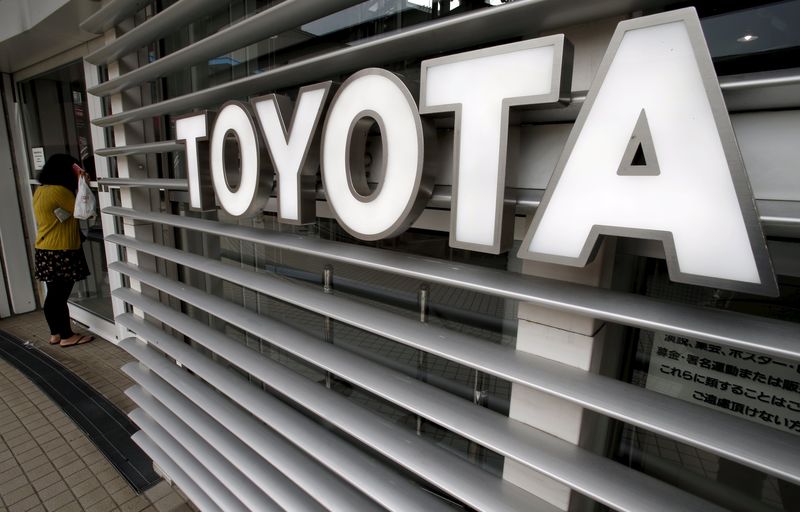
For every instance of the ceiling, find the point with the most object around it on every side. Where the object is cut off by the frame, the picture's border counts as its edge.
(33, 31)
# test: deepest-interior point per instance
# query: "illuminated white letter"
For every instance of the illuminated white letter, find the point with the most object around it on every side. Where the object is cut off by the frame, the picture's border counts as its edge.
(653, 155)
(250, 195)
(193, 131)
(294, 152)
(374, 96)
(480, 86)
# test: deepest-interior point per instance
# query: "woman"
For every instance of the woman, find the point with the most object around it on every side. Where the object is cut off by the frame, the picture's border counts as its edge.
(58, 256)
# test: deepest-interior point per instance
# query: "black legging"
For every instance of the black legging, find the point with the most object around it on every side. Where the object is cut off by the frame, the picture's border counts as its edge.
(55, 308)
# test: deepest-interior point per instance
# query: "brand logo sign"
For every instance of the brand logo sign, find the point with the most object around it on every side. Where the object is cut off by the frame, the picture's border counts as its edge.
(652, 153)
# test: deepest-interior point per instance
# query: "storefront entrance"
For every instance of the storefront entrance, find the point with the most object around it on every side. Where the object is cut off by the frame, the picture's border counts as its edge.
(56, 120)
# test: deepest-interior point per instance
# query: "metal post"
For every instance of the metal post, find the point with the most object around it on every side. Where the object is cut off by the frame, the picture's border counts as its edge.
(423, 295)
(480, 396)
(327, 287)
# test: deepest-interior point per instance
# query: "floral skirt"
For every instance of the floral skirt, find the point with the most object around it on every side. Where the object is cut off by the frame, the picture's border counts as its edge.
(60, 265)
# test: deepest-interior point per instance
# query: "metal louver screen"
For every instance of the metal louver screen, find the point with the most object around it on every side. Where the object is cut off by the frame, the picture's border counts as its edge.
(237, 430)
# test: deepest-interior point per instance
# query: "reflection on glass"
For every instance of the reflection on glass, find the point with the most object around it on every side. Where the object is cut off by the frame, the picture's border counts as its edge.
(94, 292)
(470, 313)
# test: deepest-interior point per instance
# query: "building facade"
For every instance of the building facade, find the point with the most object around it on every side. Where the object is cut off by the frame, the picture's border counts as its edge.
(422, 255)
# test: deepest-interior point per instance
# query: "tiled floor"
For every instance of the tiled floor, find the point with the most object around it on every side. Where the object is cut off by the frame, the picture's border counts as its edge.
(46, 462)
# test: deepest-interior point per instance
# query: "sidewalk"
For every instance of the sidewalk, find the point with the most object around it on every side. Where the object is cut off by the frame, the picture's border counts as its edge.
(46, 462)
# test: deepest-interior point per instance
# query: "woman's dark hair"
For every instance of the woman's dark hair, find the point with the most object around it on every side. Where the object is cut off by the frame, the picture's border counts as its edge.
(58, 171)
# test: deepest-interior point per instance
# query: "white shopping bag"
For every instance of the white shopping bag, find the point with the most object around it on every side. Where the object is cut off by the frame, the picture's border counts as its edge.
(84, 201)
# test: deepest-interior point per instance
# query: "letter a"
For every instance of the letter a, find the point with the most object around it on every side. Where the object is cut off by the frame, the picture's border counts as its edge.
(653, 155)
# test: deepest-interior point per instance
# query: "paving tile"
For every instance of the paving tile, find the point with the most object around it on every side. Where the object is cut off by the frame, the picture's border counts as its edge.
(53, 490)
(94, 457)
(92, 497)
(22, 447)
(36, 465)
(106, 474)
(46, 481)
(59, 500)
(18, 494)
(158, 491)
(116, 484)
(183, 508)
(78, 476)
(88, 485)
(104, 505)
(123, 495)
(55, 442)
(12, 437)
(71, 468)
(134, 505)
(13, 472)
(7, 463)
(168, 502)
(50, 435)
(37, 423)
(10, 486)
(63, 461)
(34, 454)
(25, 504)
(72, 506)
(60, 447)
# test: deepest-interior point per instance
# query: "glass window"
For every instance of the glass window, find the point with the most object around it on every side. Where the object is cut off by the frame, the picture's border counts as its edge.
(754, 387)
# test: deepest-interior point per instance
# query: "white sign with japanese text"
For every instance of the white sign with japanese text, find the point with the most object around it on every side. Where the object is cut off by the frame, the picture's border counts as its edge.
(757, 387)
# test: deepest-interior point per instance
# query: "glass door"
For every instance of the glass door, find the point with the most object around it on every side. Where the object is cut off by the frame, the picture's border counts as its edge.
(56, 119)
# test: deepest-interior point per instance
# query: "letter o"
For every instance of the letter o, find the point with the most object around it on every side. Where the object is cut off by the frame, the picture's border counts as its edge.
(381, 96)
(251, 194)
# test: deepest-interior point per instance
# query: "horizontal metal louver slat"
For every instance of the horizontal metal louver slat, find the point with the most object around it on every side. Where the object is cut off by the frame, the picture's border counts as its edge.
(111, 14)
(200, 473)
(186, 484)
(141, 149)
(750, 332)
(361, 470)
(602, 479)
(210, 457)
(455, 476)
(749, 443)
(263, 25)
(209, 414)
(175, 16)
(165, 183)
(452, 33)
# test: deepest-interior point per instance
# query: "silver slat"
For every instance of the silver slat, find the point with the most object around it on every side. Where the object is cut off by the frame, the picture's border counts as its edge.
(211, 457)
(597, 477)
(263, 25)
(215, 490)
(186, 484)
(772, 78)
(451, 33)
(208, 413)
(175, 16)
(141, 149)
(475, 487)
(360, 469)
(749, 332)
(160, 183)
(780, 218)
(111, 14)
(751, 444)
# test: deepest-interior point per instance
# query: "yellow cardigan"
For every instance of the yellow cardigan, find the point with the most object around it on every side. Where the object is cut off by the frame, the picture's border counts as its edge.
(53, 234)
